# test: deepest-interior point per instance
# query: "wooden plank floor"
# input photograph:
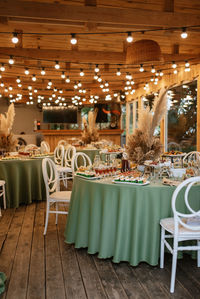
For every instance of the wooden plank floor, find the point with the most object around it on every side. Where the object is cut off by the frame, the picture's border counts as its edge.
(46, 267)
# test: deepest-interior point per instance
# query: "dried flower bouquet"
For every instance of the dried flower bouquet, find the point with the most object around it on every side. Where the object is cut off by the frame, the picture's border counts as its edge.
(90, 131)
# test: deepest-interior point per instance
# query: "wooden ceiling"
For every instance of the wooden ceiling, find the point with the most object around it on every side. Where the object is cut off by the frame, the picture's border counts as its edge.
(44, 31)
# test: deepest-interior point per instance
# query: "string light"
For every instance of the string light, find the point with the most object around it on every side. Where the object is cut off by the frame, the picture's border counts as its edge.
(118, 73)
(34, 78)
(81, 73)
(57, 65)
(99, 79)
(153, 69)
(67, 80)
(2, 67)
(79, 84)
(26, 71)
(161, 73)
(11, 60)
(96, 68)
(63, 75)
(141, 68)
(75, 86)
(15, 38)
(174, 65)
(43, 71)
(175, 71)
(29, 87)
(73, 39)
(187, 64)
(10, 88)
(49, 83)
(18, 80)
(95, 76)
(184, 33)
(129, 37)
(2, 84)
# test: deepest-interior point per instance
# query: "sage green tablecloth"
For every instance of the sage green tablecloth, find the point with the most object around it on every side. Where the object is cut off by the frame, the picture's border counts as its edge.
(24, 181)
(120, 221)
(2, 281)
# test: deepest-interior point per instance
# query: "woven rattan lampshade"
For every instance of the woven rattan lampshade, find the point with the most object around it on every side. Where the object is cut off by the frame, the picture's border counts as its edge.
(142, 51)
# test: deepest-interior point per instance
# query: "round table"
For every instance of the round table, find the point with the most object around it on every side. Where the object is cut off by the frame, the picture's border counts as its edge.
(120, 221)
(24, 181)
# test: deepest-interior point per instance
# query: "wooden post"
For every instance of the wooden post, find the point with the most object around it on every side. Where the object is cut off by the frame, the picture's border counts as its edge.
(198, 114)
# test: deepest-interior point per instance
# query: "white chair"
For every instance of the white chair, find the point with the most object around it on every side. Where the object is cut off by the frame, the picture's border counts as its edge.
(192, 156)
(3, 193)
(53, 195)
(80, 159)
(44, 147)
(182, 227)
(62, 142)
(59, 154)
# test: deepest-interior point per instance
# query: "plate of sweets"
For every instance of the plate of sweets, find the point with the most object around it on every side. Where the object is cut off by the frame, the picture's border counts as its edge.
(174, 154)
(86, 173)
(131, 180)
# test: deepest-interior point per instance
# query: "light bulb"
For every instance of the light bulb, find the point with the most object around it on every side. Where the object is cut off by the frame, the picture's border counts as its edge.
(15, 38)
(63, 75)
(153, 69)
(49, 83)
(129, 38)
(57, 66)
(11, 60)
(175, 72)
(34, 78)
(2, 84)
(141, 68)
(43, 72)
(184, 33)
(10, 88)
(29, 87)
(81, 73)
(106, 84)
(174, 65)
(161, 73)
(95, 76)
(73, 39)
(187, 64)
(67, 80)
(96, 68)
(26, 71)
(118, 73)
(79, 84)
(2, 67)
(18, 80)
(75, 86)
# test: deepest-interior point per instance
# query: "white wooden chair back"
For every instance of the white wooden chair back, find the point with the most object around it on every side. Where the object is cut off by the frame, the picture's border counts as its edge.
(192, 156)
(59, 154)
(50, 176)
(44, 147)
(181, 218)
(80, 159)
(69, 154)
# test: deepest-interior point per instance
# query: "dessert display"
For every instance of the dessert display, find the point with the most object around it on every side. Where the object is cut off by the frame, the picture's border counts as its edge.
(132, 180)
(173, 153)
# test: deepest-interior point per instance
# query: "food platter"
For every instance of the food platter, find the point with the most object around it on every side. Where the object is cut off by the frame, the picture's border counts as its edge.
(130, 183)
(87, 177)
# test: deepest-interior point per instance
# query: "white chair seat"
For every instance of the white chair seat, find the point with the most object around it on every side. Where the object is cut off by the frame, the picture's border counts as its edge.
(63, 168)
(61, 195)
(168, 224)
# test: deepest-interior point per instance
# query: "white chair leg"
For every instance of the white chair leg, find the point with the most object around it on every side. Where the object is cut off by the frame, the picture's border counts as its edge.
(4, 197)
(56, 213)
(47, 218)
(173, 272)
(198, 254)
(162, 247)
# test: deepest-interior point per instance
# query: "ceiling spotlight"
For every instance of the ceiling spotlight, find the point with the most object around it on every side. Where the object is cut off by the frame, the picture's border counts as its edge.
(73, 39)
(57, 65)
(15, 38)
(18, 80)
(96, 68)
(81, 73)
(11, 60)
(67, 79)
(2, 68)
(34, 78)
(129, 37)
(118, 73)
(26, 71)
(43, 71)
(141, 68)
(63, 75)
(184, 33)
(153, 69)
(174, 65)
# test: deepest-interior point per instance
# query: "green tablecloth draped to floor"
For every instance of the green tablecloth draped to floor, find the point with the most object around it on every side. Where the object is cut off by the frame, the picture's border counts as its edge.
(2, 281)
(24, 181)
(120, 221)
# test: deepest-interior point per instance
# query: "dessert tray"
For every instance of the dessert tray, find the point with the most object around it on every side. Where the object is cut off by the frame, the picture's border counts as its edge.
(136, 181)
(88, 175)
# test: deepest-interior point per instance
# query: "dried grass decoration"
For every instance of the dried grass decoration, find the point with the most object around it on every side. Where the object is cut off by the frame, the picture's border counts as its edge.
(90, 131)
(7, 140)
(142, 144)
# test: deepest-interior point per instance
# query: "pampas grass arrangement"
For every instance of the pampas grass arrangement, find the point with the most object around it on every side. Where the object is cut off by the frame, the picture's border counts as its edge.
(142, 144)
(7, 140)
(90, 131)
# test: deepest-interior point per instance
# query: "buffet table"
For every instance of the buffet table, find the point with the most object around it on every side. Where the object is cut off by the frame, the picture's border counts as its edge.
(119, 221)
(24, 181)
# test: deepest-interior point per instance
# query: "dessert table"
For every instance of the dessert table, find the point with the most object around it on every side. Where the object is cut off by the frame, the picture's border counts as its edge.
(120, 221)
(24, 181)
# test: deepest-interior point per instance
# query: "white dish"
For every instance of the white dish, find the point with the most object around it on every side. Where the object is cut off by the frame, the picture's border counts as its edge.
(89, 178)
(129, 183)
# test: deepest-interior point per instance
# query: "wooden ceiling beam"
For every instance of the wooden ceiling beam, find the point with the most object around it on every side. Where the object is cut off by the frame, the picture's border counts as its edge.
(81, 56)
(133, 16)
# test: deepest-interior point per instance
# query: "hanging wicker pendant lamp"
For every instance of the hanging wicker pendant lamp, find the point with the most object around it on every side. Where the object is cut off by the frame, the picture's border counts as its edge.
(144, 50)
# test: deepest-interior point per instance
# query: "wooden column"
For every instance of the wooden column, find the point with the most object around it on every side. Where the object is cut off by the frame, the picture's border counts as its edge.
(198, 114)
